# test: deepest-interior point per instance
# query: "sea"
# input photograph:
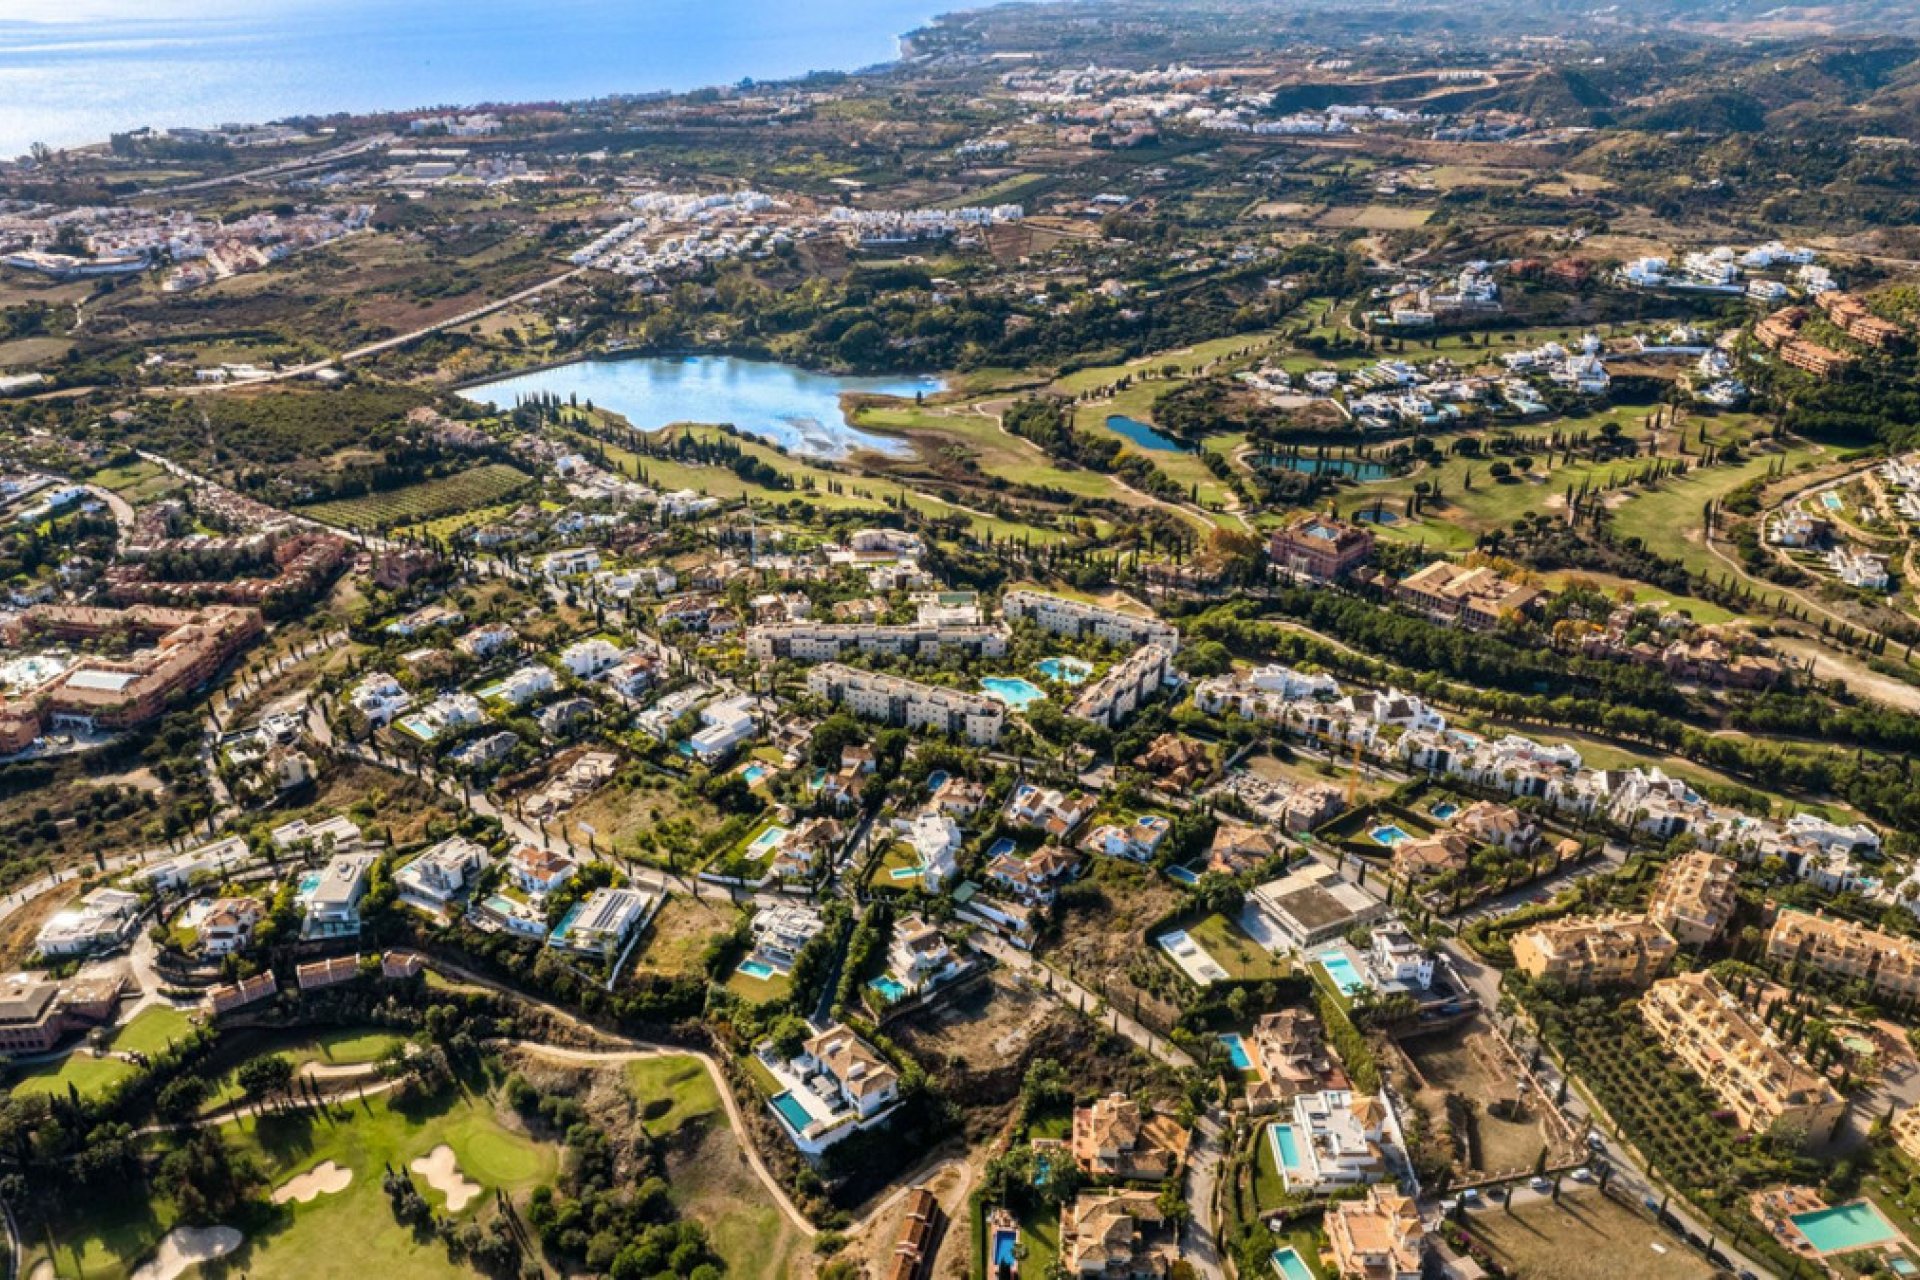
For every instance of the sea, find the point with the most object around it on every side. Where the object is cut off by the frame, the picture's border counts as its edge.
(74, 71)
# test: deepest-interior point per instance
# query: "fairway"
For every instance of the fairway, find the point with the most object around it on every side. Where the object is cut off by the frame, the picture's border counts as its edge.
(149, 1034)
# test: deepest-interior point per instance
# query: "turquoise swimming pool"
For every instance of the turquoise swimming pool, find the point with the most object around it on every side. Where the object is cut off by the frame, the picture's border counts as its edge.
(1185, 875)
(756, 969)
(1286, 1149)
(1388, 835)
(309, 884)
(753, 773)
(1065, 670)
(1015, 692)
(1344, 975)
(1844, 1227)
(1291, 1266)
(906, 873)
(890, 987)
(1444, 810)
(1004, 1243)
(764, 843)
(792, 1112)
(1237, 1050)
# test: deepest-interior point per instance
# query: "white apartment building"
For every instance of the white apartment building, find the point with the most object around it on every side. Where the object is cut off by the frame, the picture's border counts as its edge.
(1121, 691)
(908, 703)
(825, 642)
(1081, 621)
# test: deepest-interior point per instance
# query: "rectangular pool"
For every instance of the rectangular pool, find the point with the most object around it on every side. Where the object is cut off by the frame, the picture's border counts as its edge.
(1389, 835)
(765, 842)
(1286, 1149)
(756, 969)
(1184, 875)
(1291, 1266)
(792, 1112)
(1844, 1227)
(1237, 1050)
(1004, 1243)
(907, 873)
(1344, 975)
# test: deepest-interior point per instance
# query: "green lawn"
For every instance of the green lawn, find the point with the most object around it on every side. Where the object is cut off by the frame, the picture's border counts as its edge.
(759, 990)
(352, 1232)
(1235, 952)
(671, 1092)
(149, 1033)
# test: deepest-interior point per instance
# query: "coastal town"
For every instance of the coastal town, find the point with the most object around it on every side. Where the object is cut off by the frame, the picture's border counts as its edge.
(1223, 644)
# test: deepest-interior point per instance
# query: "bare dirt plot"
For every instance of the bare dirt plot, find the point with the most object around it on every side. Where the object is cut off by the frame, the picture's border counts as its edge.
(1467, 1063)
(1376, 217)
(987, 1026)
(1587, 1236)
(677, 940)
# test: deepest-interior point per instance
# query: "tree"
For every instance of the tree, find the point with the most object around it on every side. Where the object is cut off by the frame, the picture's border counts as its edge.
(263, 1078)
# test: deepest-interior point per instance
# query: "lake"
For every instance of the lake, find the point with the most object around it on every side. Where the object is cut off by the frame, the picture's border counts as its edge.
(73, 71)
(1144, 434)
(781, 403)
(1351, 468)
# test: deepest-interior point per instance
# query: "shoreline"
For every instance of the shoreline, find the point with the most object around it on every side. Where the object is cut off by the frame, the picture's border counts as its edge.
(216, 112)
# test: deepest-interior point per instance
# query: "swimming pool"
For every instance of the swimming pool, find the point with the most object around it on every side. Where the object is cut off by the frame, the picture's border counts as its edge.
(1065, 670)
(1444, 810)
(1001, 848)
(1844, 1227)
(1237, 1050)
(890, 987)
(1344, 975)
(1003, 1249)
(753, 773)
(1286, 1149)
(936, 780)
(309, 884)
(1016, 692)
(1291, 1266)
(792, 1112)
(764, 843)
(1388, 835)
(756, 969)
(419, 726)
(1184, 875)
(906, 873)
(1832, 501)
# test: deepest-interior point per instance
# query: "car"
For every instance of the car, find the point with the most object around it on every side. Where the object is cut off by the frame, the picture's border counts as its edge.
(1539, 1184)
(1596, 1143)
(1470, 1197)
(1582, 1174)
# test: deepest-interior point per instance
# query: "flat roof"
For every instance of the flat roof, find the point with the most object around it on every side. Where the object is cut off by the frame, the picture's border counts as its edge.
(101, 681)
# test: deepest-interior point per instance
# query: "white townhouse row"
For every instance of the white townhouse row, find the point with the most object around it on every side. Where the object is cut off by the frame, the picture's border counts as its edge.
(825, 642)
(1648, 801)
(1081, 621)
(908, 703)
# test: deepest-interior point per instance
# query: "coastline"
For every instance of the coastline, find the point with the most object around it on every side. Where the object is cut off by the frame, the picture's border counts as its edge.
(283, 68)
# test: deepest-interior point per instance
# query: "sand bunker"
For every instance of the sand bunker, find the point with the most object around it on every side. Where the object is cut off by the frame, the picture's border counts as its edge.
(184, 1248)
(324, 1179)
(442, 1172)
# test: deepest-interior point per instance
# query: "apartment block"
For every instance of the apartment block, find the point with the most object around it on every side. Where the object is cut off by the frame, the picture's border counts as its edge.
(1476, 598)
(908, 703)
(826, 642)
(1762, 1081)
(1120, 692)
(1081, 621)
(1888, 965)
(1694, 898)
(1594, 951)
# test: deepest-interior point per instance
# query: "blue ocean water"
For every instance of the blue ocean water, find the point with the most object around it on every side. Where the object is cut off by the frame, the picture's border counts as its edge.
(73, 71)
